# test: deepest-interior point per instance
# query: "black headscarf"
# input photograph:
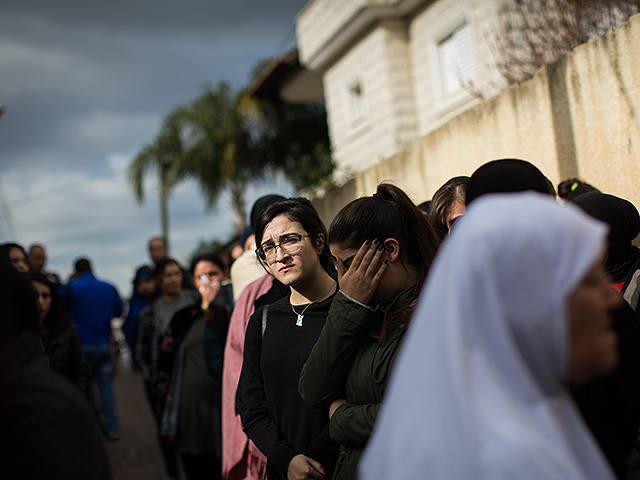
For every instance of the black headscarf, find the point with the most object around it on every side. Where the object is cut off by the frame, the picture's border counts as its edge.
(507, 175)
(624, 223)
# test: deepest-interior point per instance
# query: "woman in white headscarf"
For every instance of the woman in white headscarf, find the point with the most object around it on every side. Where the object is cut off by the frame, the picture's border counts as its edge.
(516, 305)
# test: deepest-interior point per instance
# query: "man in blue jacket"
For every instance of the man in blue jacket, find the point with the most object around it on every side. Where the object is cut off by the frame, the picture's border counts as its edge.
(92, 303)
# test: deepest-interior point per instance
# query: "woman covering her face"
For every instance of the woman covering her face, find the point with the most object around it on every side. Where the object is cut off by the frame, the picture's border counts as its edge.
(292, 435)
(170, 352)
(383, 247)
(511, 312)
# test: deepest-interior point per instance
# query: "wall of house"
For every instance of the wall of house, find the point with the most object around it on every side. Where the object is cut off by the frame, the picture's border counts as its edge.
(578, 117)
(321, 21)
(428, 27)
(389, 48)
(379, 67)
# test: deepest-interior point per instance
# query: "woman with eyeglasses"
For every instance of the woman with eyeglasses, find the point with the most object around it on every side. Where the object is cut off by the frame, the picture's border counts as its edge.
(383, 245)
(294, 437)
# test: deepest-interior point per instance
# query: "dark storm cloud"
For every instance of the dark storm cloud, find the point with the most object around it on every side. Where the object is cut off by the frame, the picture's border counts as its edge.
(157, 16)
(85, 85)
(60, 61)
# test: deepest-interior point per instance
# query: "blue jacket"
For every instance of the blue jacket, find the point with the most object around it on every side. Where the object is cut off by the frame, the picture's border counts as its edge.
(92, 304)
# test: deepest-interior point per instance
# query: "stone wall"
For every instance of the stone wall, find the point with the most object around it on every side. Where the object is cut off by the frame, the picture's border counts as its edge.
(578, 117)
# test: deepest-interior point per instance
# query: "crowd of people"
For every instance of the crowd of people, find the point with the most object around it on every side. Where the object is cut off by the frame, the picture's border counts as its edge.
(489, 332)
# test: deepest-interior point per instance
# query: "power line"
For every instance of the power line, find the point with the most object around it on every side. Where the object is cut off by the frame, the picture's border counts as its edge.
(58, 189)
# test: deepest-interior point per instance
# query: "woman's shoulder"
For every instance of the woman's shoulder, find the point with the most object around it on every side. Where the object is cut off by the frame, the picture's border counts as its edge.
(277, 307)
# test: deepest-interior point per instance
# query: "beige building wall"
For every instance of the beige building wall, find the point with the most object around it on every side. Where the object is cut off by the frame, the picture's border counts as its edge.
(387, 51)
(376, 73)
(579, 117)
(428, 27)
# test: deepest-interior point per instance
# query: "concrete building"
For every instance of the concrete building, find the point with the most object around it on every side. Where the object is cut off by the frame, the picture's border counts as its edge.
(398, 111)
(394, 70)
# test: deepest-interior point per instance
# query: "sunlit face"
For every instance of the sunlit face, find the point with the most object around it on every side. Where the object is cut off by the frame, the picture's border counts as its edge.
(593, 345)
(157, 250)
(211, 272)
(37, 258)
(43, 299)
(171, 280)
(291, 268)
(19, 260)
(146, 287)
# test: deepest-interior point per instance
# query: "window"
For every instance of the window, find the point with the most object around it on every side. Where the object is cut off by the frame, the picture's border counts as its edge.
(357, 104)
(457, 60)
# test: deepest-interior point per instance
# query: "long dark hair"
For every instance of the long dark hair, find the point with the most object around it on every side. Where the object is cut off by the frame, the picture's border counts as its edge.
(389, 213)
(57, 319)
(299, 210)
(442, 201)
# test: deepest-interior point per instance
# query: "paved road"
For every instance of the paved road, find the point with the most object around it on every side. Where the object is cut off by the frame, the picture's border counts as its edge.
(136, 455)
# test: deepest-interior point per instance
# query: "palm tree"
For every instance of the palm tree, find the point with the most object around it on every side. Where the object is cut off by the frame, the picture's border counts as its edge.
(162, 156)
(218, 151)
(225, 140)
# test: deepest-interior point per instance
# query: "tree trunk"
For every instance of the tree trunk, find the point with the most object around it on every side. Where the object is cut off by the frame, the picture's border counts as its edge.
(164, 207)
(237, 203)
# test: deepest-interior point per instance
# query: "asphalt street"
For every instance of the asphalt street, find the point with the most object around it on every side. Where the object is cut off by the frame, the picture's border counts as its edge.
(136, 454)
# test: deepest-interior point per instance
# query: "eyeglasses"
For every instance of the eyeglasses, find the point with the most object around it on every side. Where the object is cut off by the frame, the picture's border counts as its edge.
(291, 243)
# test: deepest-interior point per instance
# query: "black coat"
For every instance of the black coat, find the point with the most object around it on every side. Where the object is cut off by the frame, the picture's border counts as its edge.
(65, 357)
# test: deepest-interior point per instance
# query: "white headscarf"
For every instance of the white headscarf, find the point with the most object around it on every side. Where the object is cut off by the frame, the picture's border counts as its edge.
(477, 390)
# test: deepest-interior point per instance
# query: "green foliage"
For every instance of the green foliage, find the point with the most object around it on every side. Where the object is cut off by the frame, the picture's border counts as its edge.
(294, 139)
(225, 140)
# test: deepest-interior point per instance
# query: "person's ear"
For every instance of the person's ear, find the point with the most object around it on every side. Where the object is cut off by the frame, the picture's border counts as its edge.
(320, 243)
(392, 249)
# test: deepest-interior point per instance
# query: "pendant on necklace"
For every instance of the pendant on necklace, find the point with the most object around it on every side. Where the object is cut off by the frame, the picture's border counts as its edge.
(299, 321)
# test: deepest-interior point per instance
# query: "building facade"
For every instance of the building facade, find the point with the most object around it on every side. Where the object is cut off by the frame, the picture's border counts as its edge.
(395, 70)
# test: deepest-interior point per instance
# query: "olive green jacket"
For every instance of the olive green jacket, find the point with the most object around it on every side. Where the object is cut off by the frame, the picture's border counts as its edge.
(348, 362)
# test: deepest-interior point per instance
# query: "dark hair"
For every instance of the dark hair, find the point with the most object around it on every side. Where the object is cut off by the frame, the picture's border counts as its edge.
(442, 201)
(258, 206)
(18, 308)
(36, 245)
(574, 187)
(389, 213)
(163, 263)
(5, 248)
(56, 319)
(299, 210)
(82, 265)
(507, 175)
(162, 238)
(206, 257)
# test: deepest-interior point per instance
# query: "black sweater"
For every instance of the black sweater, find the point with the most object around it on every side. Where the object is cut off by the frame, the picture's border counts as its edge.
(273, 414)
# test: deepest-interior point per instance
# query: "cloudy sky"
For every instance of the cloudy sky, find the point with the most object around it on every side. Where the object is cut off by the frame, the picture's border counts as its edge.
(84, 86)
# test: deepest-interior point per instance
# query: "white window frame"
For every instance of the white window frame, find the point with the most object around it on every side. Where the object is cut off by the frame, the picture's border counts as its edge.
(457, 63)
(356, 103)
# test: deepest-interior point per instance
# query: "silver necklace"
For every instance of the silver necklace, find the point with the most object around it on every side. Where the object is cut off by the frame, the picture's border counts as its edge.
(301, 314)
